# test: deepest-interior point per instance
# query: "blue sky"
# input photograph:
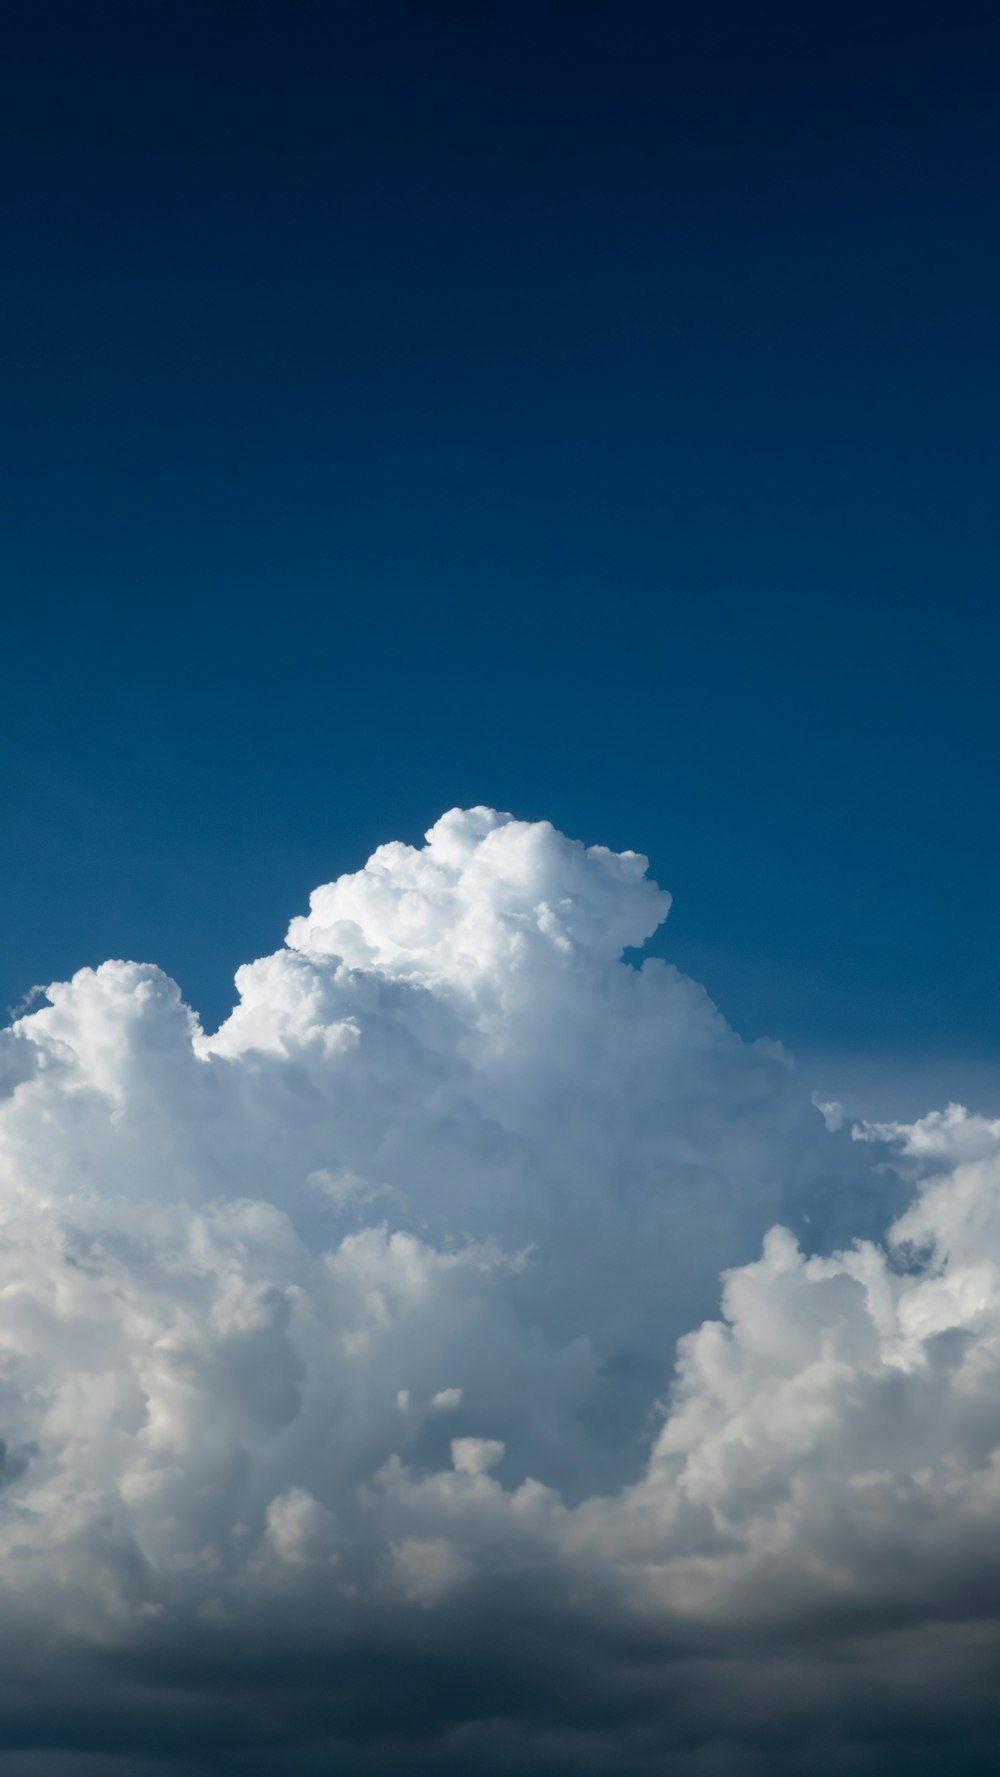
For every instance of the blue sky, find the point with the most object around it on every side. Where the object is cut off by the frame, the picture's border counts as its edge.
(468, 1355)
(591, 414)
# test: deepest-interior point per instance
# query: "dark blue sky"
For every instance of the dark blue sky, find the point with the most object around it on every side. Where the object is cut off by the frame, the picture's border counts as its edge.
(586, 409)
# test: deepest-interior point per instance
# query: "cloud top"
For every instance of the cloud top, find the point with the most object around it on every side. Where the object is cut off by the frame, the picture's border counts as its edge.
(485, 900)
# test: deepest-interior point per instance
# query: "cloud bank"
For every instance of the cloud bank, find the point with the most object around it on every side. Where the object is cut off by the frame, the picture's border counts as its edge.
(369, 1399)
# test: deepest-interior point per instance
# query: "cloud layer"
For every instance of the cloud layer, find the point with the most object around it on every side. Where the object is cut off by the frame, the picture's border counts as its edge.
(367, 1400)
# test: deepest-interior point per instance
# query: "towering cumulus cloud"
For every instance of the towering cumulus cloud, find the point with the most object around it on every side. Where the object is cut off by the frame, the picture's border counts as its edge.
(368, 1402)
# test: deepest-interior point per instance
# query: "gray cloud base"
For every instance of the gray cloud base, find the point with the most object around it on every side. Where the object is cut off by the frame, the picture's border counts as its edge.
(366, 1396)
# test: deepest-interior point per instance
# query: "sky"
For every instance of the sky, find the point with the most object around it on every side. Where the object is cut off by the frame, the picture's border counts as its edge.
(500, 1108)
(588, 414)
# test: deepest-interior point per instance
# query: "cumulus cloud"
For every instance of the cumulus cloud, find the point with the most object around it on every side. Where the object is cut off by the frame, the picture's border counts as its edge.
(368, 1399)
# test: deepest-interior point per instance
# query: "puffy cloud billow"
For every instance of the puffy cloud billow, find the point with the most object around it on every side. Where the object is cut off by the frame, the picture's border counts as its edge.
(368, 1402)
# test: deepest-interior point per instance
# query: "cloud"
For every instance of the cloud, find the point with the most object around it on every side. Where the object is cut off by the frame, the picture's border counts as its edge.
(366, 1395)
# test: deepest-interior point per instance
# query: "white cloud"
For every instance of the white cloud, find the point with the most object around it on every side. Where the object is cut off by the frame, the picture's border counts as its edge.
(475, 1456)
(299, 1530)
(447, 1400)
(452, 1153)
